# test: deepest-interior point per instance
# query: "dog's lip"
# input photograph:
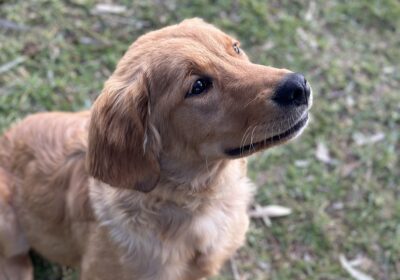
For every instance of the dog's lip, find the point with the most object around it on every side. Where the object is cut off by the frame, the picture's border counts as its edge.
(271, 141)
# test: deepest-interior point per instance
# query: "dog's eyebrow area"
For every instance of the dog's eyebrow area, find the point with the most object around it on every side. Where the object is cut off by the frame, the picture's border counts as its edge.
(218, 45)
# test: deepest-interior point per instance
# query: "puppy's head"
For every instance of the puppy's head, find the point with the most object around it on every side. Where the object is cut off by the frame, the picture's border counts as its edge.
(189, 91)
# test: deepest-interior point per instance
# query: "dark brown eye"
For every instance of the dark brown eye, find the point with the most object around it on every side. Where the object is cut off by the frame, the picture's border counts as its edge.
(200, 86)
(236, 48)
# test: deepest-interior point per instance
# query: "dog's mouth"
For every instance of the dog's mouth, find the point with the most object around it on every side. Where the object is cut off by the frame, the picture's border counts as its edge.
(271, 141)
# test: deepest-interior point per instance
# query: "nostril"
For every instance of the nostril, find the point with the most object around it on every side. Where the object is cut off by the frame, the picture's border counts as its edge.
(293, 90)
(298, 96)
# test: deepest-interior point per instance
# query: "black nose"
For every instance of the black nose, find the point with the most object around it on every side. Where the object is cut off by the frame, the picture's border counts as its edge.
(293, 90)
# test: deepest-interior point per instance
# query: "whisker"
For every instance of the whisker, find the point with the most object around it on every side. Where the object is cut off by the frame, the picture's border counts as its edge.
(252, 138)
(248, 103)
(244, 142)
(244, 134)
(243, 139)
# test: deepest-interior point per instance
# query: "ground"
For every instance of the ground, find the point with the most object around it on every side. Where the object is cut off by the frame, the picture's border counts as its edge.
(341, 178)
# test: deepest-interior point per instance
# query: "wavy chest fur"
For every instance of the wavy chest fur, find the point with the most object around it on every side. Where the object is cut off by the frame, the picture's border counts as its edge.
(185, 235)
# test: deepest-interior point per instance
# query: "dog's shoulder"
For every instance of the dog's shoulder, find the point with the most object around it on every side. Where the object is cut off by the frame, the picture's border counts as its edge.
(48, 138)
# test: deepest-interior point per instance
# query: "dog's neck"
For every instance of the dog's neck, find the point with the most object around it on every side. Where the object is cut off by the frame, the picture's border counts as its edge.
(186, 221)
(197, 175)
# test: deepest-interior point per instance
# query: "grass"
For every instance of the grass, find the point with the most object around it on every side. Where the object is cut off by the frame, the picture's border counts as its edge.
(347, 202)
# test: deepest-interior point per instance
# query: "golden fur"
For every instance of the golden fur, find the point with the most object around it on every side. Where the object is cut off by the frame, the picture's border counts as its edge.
(140, 187)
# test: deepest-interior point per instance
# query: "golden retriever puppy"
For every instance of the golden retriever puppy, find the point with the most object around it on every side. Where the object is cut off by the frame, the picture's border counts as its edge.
(151, 183)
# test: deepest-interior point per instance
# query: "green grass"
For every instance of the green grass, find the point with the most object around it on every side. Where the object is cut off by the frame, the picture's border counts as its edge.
(348, 50)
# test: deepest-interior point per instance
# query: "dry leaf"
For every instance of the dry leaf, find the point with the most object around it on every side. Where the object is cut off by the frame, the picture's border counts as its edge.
(362, 139)
(109, 9)
(271, 211)
(9, 65)
(322, 153)
(356, 274)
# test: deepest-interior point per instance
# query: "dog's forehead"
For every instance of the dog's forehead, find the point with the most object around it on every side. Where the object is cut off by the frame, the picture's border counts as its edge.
(191, 32)
(200, 26)
(202, 31)
(191, 44)
(193, 29)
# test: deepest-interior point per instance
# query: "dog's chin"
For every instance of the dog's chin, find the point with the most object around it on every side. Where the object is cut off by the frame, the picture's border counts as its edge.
(278, 139)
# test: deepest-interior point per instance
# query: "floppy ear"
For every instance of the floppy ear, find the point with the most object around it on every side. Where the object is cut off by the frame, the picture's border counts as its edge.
(123, 148)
